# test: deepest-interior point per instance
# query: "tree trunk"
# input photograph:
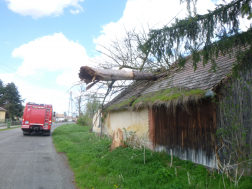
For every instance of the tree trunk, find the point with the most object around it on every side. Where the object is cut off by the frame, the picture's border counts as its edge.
(95, 74)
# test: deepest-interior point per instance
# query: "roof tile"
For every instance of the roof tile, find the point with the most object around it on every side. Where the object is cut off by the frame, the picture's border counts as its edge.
(184, 77)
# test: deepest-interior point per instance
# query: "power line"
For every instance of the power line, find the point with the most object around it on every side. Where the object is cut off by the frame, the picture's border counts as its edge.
(30, 79)
(70, 106)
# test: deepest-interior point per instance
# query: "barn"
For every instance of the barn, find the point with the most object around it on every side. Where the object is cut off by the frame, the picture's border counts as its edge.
(185, 111)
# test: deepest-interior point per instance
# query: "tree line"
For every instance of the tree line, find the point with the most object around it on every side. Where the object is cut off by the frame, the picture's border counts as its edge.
(86, 106)
(11, 100)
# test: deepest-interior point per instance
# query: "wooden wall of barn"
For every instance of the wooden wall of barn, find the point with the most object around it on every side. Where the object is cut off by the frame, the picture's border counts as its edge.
(234, 108)
(190, 134)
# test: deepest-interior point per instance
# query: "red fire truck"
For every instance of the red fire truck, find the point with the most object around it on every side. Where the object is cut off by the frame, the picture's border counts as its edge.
(37, 118)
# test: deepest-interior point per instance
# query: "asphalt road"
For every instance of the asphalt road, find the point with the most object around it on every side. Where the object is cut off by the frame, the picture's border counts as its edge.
(31, 162)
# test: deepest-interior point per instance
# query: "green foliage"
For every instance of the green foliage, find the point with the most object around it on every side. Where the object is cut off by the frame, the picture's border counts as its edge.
(246, 184)
(96, 167)
(122, 104)
(10, 100)
(91, 107)
(200, 33)
(84, 120)
(158, 97)
(234, 132)
(169, 95)
(1, 88)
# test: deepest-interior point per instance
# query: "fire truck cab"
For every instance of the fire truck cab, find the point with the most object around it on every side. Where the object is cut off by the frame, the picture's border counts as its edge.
(37, 118)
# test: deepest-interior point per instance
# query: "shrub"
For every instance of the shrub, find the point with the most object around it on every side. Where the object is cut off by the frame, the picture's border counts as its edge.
(84, 120)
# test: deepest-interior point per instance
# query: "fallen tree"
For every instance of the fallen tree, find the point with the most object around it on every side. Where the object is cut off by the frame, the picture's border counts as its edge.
(88, 75)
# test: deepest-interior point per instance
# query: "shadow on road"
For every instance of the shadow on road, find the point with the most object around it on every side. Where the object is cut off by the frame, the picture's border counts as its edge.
(36, 134)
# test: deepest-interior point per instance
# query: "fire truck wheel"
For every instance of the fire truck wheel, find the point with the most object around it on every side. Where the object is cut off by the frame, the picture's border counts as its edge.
(26, 133)
(47, 133)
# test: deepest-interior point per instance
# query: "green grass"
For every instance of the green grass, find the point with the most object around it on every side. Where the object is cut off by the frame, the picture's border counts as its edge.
(96, 167)
(9, 128)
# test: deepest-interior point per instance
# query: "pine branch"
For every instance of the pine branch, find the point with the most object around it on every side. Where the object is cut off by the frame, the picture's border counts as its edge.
(198, 33)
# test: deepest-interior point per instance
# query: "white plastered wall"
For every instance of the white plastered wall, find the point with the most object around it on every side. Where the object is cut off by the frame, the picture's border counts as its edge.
(96, 122)
(130, 120)
(2, 115)
(135, 121)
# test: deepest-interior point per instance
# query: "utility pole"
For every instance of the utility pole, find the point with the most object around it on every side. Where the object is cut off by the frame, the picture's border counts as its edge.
(70, 106)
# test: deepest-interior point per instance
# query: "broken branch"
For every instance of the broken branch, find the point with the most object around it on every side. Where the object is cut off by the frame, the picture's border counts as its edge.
(89, 74)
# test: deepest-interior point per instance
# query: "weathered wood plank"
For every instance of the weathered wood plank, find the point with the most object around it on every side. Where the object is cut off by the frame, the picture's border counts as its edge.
(187, 134)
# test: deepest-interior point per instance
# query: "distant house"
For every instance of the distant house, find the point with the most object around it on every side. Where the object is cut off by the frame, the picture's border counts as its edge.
(2, 114)
(178, 111)
(59, 117)
(69, 118)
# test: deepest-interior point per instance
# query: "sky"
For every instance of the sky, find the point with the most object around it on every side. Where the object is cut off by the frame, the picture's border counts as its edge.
(43, 43)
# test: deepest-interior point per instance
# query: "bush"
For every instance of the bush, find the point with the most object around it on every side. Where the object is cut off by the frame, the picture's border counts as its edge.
(84, 120)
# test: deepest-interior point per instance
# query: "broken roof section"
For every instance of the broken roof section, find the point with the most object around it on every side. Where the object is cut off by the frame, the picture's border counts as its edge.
(2, 109)
(175, 84)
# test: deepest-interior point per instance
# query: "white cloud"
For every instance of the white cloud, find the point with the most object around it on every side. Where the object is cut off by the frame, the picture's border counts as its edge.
(7, 78)
(75, 12)
(40, 8)
(142, 15)
(52, 53)
(42, 58)
(38, 93)
(147, 14)
(155, 14)
(57, 53)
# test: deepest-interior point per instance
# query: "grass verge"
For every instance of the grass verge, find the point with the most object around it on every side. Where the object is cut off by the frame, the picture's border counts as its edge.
(8, 128)
(96, 167)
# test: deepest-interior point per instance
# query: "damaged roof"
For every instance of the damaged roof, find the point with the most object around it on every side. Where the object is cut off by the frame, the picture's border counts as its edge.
(175, 77)
(2, 109)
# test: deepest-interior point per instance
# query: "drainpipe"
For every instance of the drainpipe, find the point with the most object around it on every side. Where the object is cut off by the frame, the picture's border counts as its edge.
(209, 93)
(100, 118)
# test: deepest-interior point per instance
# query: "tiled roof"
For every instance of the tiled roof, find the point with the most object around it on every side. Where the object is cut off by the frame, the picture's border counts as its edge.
(60, 116)
(2, 109)
(69, 117)
(184, 77)
(134, 89)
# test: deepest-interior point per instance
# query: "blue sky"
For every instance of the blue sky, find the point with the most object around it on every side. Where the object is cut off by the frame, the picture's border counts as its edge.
(43, 43)
(19, 29)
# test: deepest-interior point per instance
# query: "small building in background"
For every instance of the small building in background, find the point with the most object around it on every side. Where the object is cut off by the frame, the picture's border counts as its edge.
(2, 114)
(69, 118)
(59, 117)
(75, 119)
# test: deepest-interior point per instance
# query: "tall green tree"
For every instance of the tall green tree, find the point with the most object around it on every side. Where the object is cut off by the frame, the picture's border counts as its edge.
(205, 37)
(92, 106)
(10, 99)
(1, 89)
